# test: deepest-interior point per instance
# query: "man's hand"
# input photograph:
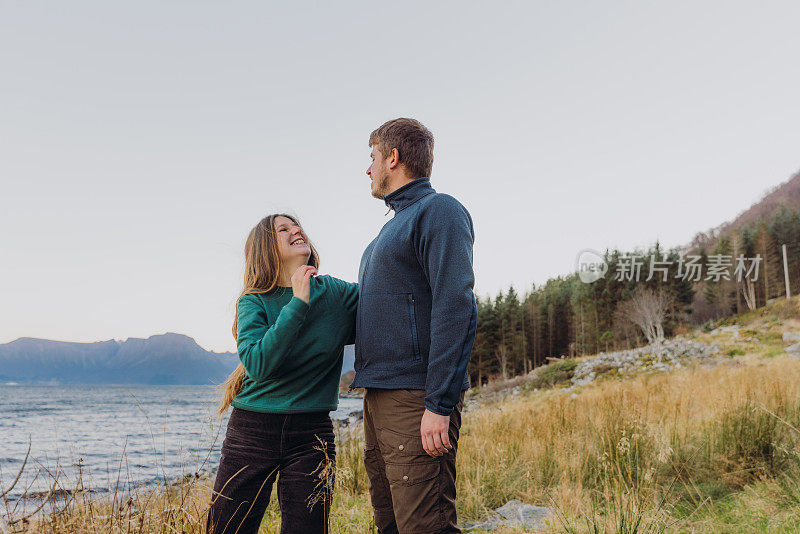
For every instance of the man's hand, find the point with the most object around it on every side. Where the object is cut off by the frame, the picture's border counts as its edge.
(435, 433)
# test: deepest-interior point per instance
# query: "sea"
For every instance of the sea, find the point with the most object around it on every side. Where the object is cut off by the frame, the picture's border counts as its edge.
(111, 438)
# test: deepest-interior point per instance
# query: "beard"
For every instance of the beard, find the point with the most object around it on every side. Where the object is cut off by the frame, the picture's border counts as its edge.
(382, 188)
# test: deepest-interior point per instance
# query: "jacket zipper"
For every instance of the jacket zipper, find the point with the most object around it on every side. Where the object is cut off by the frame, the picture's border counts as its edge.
(411, 302)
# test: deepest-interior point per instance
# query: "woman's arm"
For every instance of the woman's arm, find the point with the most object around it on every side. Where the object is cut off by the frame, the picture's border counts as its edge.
(348, 296)
(350, 300)
(264, 348)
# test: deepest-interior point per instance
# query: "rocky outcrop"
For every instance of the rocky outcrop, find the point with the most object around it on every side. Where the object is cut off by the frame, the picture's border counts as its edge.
(670, 354)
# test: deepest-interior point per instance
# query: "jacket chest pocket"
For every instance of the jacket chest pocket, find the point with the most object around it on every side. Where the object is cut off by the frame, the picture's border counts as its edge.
(414, 334)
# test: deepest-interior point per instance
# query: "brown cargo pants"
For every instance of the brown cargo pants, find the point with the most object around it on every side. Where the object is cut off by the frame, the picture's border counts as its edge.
(411, 492)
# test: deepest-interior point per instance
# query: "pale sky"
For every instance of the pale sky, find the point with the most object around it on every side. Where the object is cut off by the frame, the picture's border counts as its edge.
(140, 141)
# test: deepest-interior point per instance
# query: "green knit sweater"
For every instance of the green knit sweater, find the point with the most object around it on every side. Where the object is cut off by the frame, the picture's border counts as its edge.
(292, 351)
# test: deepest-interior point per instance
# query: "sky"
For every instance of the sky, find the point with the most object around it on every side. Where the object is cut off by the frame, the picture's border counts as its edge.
(140, 141)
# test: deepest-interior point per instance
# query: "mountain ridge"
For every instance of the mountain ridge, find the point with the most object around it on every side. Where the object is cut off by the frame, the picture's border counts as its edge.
(168, 358)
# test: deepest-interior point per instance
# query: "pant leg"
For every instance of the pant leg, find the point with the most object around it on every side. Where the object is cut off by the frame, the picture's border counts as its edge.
(306, 479)
(248, 467)
(379, 491)
(422, 488)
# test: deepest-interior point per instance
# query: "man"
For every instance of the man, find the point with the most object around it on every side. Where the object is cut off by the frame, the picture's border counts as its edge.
(414, 333)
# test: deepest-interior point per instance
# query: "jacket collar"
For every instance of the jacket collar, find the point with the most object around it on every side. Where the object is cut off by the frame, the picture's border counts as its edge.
(408, 194)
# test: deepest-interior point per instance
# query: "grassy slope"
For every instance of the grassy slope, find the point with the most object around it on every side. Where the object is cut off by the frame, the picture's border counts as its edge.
(705, 449)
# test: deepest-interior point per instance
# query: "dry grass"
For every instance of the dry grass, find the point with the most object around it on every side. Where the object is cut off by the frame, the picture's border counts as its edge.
(667, 445)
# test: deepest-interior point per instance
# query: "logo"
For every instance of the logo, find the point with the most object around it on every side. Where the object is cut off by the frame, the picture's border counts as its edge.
(590, 266)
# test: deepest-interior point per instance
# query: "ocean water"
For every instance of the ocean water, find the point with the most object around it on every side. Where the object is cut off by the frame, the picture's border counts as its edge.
(112, 437)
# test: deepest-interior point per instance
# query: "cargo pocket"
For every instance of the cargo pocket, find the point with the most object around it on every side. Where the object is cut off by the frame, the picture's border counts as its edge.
(413, 473)
(407, 463)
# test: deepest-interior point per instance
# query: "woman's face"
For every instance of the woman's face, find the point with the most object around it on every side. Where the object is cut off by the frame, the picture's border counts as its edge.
(292, 241)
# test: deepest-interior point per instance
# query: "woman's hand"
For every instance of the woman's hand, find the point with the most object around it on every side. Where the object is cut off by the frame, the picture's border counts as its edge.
(301, 282)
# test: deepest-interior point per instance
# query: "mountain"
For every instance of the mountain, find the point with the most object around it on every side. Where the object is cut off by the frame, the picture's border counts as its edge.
(161, 359)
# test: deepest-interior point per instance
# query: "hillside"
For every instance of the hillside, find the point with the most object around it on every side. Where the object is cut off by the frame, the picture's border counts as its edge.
(784, 195)
(704, 438)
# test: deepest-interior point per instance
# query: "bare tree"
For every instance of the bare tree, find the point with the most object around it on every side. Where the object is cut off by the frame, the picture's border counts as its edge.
(749, 293)
(648, 309)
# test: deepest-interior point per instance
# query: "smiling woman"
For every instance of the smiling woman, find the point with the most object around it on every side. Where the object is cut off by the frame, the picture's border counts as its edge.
(290, 327)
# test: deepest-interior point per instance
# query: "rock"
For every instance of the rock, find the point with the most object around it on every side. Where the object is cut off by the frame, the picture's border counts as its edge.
(794, 350)
(515, 514)
(733, 329)
(524, 515)
(791, 337)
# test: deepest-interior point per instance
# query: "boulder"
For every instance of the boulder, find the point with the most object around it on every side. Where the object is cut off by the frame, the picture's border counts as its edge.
(794, 350)
(791, 337)
(524, 515)
(732, 329)
(514, 514)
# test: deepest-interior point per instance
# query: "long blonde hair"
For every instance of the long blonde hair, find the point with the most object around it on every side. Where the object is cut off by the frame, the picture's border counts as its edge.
(262, 269)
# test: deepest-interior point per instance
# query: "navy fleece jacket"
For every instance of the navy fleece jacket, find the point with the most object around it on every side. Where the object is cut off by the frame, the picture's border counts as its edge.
(417, 314)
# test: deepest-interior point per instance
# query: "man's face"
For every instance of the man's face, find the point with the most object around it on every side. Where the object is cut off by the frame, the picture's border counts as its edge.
(378, 171)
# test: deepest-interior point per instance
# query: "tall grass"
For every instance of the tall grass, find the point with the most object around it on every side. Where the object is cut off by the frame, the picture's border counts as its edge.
(663, 445)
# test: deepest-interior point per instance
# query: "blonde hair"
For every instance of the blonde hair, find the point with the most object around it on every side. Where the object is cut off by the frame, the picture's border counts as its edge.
(262, 269)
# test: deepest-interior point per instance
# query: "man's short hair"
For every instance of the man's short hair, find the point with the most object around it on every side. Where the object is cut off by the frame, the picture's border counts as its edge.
(413, 141)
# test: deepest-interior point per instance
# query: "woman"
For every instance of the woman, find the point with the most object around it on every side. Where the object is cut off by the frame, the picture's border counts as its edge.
(290, 328)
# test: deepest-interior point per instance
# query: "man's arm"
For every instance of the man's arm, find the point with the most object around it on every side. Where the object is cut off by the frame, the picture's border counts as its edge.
(444, 248)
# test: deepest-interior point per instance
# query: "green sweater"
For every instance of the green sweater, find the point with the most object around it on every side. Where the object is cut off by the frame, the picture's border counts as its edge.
(292, 351)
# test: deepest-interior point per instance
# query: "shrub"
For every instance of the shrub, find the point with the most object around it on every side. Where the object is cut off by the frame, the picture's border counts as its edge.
(554, 374)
